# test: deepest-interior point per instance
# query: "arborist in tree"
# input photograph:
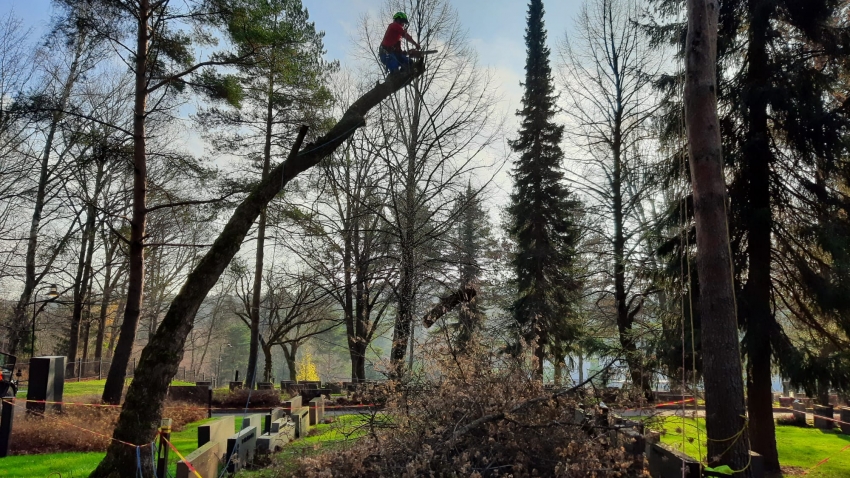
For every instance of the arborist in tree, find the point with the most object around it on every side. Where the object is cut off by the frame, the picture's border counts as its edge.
(392, 56)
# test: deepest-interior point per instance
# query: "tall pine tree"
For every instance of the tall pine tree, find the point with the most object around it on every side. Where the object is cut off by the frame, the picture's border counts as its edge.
(543, 211)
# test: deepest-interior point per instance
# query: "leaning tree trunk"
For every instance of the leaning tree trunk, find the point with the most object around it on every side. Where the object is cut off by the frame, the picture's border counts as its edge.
(142, 410)
(135, 286)
(724, 390)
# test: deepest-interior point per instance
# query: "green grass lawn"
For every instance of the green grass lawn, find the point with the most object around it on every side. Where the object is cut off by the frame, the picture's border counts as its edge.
(76, 465)
(343, 432)
(798, 447)
(95, 387)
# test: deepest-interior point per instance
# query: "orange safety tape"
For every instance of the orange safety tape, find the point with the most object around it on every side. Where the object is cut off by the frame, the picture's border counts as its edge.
(45, 402)
(819, 416)
(661, 405)
(51, 417)
(188, 465)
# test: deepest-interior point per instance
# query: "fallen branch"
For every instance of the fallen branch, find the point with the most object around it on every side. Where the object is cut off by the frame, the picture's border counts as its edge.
(449, 302)
(522, 406)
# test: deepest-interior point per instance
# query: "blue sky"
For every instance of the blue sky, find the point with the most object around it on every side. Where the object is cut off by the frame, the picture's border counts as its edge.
(496, 28)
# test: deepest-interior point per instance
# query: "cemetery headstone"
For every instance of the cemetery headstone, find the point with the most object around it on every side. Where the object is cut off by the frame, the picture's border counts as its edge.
(301, 417)
(317, 410)
(799, 412)
(265, 386)
(275, 414)
(293, 403)
(212, 444)
(845, 420)
(785, 402)
(820, 413)
(217, 431)
(46, 382)
(241, 448)
(235, 385)
(253, 420)
(665, 462)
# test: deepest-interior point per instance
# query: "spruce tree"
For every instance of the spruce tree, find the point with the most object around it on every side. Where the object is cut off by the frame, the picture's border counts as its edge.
(783, 98)
(543, 211)
(471, 242)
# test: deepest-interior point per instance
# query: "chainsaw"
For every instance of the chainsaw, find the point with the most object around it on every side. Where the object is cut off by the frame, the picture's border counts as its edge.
(420, 53)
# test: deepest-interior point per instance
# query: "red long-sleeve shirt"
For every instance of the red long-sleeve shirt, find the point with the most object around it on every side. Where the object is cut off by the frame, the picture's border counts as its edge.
(392, 39)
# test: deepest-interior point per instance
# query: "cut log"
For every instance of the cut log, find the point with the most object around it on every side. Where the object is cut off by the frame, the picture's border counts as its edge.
(448, 303)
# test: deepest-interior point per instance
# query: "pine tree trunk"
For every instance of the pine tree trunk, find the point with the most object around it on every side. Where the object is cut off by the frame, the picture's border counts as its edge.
(250, 375)
(136, 281)
(725, 411)
(267, 369)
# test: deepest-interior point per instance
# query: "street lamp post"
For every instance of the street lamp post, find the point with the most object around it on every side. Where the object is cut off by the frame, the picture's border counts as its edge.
(51, 296)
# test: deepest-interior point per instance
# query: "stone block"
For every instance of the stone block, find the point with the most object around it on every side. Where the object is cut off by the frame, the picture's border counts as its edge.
(275, 414)
(317, 410)
(301, 417)
(311, 393)
(218, 430)
(665, 462)
(265, 386)
(786, 402)
(46, 382)
(293, 403)
(799, 412)
(284, 426)
(821, 412)
(240, 449)
(629, 439)
(204, 384)
(253, 420)
(845, 419)
(206, 460)
(756, 465)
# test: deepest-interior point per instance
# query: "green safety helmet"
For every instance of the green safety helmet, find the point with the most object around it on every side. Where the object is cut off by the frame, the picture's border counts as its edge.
(401, 16)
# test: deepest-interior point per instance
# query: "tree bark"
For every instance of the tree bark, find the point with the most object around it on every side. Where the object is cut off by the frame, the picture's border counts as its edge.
(105, 299)
(250, 375)
(135, 286)
(724, 390)
(84, 272)
(142, 410)
(756, 306)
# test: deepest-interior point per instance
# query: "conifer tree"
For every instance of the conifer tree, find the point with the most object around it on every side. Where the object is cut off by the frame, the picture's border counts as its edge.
(784, 115)
(543, 211)
(472, 237)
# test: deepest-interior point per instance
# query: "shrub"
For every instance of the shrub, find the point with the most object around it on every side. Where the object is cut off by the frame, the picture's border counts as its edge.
(239, 398)
(80, 428)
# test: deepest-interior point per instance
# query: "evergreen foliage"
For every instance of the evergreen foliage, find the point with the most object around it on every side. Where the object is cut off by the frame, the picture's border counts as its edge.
(543, 211)
(783, 104)
(472, 241)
